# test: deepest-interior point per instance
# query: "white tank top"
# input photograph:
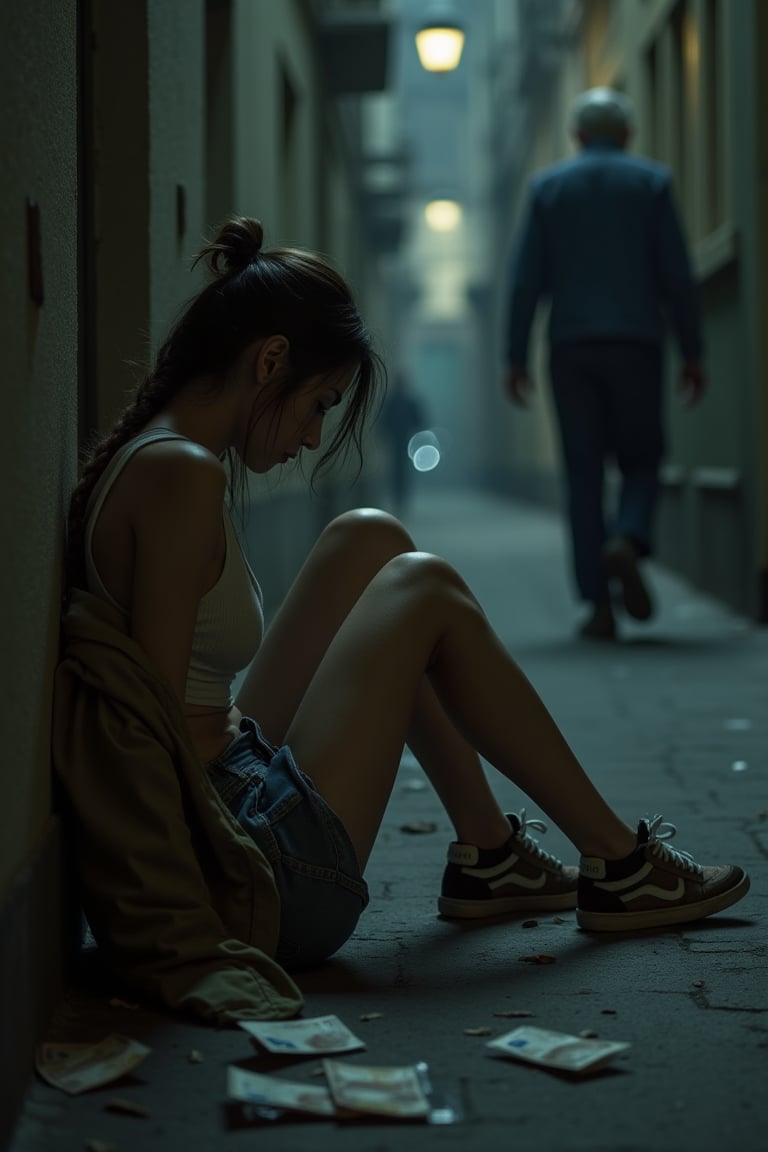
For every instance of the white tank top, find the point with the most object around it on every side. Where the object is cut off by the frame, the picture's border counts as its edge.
(230, 618)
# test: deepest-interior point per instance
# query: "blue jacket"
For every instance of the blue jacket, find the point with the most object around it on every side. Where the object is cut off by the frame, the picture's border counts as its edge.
(602, 239)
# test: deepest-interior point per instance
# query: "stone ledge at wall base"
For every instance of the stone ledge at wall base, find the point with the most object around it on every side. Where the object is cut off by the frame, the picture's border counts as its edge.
(703, 534)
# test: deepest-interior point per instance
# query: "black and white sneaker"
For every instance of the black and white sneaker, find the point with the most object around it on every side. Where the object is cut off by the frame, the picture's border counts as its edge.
(654, 886)
(517, 877)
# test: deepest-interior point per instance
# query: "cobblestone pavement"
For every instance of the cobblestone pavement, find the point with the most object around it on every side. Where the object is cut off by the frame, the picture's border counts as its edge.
(671, 719)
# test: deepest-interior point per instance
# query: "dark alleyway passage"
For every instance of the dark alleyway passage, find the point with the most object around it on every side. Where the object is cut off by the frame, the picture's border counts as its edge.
(670, 720)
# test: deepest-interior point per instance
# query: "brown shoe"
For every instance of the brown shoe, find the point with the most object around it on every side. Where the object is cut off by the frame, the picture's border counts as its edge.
(620, 563)
(600, 625)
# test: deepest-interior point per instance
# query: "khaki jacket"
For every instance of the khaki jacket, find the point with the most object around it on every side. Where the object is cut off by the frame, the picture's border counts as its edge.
(179, 898)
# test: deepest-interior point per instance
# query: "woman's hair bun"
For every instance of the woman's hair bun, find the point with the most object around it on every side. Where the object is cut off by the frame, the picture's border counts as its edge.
(236, 244)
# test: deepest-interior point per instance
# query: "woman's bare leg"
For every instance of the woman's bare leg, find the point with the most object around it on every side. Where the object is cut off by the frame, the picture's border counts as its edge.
(350, 552)
(417, 616)
(456, 773)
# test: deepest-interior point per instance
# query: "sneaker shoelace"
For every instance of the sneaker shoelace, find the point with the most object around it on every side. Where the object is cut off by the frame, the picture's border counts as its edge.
(529, 842)
(658, 832)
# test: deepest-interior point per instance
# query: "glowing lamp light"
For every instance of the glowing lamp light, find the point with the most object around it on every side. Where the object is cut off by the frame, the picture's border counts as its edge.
(439, 46)
(424, 451)
(443, 215)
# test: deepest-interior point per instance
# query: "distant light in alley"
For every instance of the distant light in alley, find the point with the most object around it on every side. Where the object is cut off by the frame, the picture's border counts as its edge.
(440, 47)
(443, 215)
(426, 458)
(440, 37)
(424, 451)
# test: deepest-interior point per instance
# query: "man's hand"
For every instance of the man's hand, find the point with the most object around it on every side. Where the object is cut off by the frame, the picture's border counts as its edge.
(518, 385)
(693, 382)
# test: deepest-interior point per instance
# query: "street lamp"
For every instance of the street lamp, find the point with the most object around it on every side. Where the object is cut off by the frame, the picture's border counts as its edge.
(443, 215)
(440, 40)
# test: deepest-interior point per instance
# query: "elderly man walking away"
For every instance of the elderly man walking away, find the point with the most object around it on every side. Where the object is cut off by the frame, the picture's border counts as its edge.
(603, 241)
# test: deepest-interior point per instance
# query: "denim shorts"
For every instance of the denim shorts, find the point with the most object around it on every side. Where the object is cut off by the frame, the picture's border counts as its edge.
(322, 891)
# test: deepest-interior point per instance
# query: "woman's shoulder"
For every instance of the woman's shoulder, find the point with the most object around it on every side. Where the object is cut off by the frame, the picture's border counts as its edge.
(177, 460)
(177, 474)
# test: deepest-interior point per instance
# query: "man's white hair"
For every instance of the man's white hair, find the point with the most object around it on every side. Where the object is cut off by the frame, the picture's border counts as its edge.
(601, 111)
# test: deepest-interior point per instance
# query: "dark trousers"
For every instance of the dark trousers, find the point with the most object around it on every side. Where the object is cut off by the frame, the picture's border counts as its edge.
(608, 397)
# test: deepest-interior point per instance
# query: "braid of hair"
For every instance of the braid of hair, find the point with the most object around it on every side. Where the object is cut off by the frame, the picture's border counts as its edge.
(150, 397)
(187, 350)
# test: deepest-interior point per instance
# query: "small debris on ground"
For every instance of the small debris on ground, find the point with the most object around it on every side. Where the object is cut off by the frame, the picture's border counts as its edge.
(515, 1013)
(478, 1031)
(128, 1107)
(588, 1034)
(538, 958)
(608, 1011)
(559, 920)
(414, 786)
(195, 1057)
(530, 923)
(698, 984)
(419, 826)
(372, 1016)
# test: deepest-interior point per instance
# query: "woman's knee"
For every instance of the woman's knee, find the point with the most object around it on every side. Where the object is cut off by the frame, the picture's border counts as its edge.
(367, 533)
(423, 575)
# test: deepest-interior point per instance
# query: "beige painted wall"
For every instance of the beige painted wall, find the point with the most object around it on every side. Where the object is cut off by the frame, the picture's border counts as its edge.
(301, 193)
(38, 430)
(176, 32)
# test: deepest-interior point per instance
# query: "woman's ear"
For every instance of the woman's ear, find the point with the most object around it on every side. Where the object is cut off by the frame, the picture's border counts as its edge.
(272, 358)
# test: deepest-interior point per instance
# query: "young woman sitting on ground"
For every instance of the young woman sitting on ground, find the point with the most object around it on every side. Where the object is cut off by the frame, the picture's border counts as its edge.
(376, 646)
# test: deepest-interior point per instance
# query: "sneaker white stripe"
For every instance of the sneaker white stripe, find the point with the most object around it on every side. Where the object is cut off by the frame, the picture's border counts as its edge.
(626, 882)
(654, 890)
(489, 873)
(522, 881)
